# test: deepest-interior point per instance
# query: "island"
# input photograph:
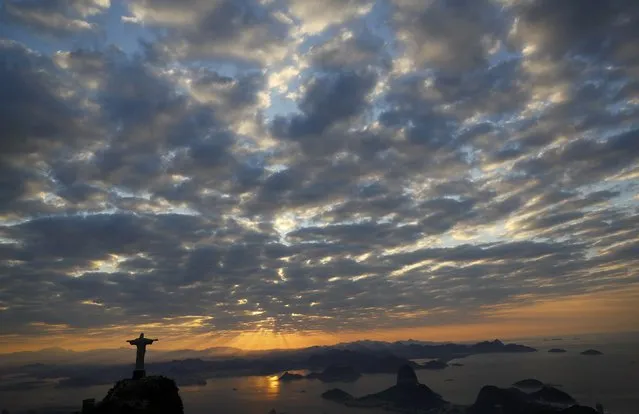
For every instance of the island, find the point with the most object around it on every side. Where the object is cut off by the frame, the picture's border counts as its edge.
(434, 364)
(334, 373)
(592, 352)
(552, 395)
(529, 383)
(492, 399)
(407, 393)
(557, 350)
(495, 400)
(287, 376)
(337, 395)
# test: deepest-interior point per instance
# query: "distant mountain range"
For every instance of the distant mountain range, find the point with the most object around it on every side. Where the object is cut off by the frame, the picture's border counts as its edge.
(406, 349)
(189, 367)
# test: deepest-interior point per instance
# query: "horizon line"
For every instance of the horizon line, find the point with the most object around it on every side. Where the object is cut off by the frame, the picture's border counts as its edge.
(472, 341)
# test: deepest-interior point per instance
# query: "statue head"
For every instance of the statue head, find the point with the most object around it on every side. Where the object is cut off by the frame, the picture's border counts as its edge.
(141, 334)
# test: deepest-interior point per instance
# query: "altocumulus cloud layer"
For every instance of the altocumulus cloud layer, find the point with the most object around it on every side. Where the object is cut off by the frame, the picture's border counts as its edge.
(294, 166)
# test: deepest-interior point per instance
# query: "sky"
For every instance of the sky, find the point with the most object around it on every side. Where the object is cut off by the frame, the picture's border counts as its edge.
(286, 173)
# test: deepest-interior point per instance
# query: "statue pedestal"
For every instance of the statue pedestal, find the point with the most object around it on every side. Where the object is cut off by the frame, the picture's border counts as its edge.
(139, 373)
(88, 406)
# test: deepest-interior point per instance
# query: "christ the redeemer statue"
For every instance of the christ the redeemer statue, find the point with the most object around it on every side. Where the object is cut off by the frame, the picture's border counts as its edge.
(141, 342)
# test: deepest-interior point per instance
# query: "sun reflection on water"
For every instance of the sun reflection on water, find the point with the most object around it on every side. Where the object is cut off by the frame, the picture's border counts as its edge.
(269, 386)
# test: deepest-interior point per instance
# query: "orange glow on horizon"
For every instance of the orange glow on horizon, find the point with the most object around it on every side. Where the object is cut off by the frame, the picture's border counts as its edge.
(597, 312)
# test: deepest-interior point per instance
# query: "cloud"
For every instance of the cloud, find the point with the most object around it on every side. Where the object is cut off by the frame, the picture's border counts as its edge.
(328, 99)
(33, 103)
(349, 49)
(279, 167)
(316, 17)
(57, 18)
(570, 26)
(585, 161)
(245, 30)
(449, 35)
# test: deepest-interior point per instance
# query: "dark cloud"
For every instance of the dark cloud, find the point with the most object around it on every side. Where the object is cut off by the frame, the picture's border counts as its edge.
(93, 237)
(328, 99)
(584, 161)
(595, 29)
(14, 184)
(42, 121)
(571, 25)
(449, 35)
(33, 105)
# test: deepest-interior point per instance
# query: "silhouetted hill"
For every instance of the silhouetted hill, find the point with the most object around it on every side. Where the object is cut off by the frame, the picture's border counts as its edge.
(552, 395)
(529, 383)
(407, 393)
(434, 364)
(494, 400)
(334, 373)
(287, 376)
(150, 395)
(592, 352)
(337, 395)
(450, 351)
(579, 409)
(548, 400)
(364, 362)
(388, 357)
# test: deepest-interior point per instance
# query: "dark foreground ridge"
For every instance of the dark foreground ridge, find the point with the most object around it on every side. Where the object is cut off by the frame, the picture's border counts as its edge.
(149, 395)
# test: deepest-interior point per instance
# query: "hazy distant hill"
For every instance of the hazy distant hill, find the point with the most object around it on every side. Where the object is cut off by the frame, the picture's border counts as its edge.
(412, 349)
(108, 356)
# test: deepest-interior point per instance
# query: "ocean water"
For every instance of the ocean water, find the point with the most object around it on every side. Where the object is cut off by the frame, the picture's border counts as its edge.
(611, 379)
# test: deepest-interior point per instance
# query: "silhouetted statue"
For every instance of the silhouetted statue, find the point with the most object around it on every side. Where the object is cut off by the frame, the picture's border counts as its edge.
(141, 342)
